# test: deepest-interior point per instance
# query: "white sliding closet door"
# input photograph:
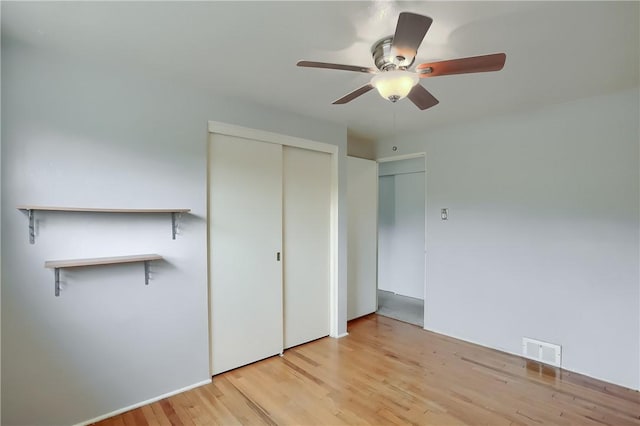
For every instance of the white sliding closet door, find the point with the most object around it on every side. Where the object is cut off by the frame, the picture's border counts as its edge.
(306, 203)
(245, 215)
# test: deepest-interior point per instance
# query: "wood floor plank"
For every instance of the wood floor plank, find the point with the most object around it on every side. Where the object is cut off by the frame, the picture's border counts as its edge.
(150, 416)
(392, 373)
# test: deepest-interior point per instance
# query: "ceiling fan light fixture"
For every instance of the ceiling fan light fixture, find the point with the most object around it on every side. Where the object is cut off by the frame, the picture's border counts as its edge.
(393, 55)
(395, 85)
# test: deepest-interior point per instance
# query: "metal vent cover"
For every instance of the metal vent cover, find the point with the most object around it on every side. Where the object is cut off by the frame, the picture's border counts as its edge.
(545, 352)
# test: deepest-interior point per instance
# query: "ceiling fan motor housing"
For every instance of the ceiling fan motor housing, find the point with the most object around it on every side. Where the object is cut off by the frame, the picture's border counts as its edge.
(386, 58)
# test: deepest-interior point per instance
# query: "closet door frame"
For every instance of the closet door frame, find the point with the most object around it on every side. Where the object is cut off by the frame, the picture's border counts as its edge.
(284, 140)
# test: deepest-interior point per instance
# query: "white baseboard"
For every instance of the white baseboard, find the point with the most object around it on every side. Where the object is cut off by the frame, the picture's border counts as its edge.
(566, 368)
(143, 403)
(340, 336)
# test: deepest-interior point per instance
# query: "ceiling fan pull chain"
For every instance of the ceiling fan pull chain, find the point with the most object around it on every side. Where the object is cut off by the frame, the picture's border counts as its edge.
(394, 123)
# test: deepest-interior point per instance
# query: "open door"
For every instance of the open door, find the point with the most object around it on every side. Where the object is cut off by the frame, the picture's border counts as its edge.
(401, 240)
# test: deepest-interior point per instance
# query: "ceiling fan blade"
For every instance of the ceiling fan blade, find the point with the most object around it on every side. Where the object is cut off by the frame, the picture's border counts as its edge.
(327, 65)
(410, 32)
(421, 97)
(351, 96)
(484, 63)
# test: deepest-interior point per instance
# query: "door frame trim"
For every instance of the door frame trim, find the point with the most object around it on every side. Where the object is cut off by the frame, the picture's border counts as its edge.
(286, 140)
(402, 157)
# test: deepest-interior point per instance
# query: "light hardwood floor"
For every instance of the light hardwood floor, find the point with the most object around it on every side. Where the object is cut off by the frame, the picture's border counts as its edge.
(387, 372)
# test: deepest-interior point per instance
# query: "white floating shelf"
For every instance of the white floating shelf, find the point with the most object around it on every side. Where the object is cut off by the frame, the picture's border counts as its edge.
(75, 263)
(56, 265)
(101, 210)
(30, 209)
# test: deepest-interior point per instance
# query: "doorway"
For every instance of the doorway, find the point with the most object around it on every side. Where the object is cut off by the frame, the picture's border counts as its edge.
(401, 239)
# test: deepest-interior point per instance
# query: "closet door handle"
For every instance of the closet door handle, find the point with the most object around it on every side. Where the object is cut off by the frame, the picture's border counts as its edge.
(278, 256)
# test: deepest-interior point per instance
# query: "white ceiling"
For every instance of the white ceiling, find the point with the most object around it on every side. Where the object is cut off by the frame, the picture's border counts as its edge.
(556, 51)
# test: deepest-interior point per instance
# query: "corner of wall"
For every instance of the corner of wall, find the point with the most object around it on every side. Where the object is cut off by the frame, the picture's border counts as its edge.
(360, 146)
(1, 180)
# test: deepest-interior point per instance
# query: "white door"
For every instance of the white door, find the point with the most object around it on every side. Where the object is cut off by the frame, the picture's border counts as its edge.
(306, 248)
(362, 202)
(386, 232)
(401, 233)
(245, 214)
(408, 246)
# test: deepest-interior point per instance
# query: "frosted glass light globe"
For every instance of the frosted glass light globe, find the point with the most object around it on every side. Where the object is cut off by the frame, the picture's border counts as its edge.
(394, 85)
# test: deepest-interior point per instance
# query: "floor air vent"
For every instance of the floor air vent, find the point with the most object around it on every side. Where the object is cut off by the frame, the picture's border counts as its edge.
(545, 352)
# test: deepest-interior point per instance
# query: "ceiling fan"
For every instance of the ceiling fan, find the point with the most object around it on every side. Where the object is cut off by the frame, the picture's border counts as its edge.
(394, 55)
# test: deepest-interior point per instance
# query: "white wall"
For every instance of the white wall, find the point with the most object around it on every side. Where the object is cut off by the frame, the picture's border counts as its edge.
(362, 198)
(0, 243)
(82, 134)
(543, 232)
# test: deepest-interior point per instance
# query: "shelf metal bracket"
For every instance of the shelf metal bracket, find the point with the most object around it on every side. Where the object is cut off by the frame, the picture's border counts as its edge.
(32, 228)
(57, 274)
(146, 272)
(174, 224)
(57, 265)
